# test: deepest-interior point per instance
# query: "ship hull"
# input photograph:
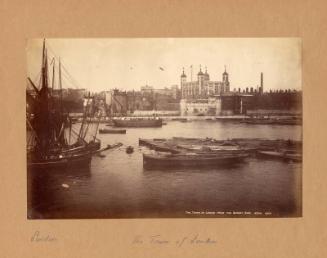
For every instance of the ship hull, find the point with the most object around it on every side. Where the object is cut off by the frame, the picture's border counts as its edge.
(74, 161)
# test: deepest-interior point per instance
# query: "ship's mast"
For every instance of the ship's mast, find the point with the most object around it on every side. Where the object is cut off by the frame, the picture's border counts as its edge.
(44, 67)
(42, 120)
(53, 73)
(60, 90)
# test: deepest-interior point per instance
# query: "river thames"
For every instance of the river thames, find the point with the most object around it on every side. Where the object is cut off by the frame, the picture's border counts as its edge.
(117, 185)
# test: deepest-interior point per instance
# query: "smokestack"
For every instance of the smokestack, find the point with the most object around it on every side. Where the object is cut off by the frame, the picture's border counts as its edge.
(261, 83)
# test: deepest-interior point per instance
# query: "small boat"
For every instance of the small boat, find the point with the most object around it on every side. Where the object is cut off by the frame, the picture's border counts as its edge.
(129, 150)
(271, 121)
(293, 157)
(283, 155)
(229, 118)
(112, 131)
(180, 119)
(108, 147)
(137, 122)
(191, 159)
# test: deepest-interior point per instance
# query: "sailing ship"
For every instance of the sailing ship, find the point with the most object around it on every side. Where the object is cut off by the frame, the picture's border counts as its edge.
(52, 141)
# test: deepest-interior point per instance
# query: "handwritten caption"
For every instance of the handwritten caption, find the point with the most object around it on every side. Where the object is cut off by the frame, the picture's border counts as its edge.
(235, 213)
(39, 237)
(179, 242)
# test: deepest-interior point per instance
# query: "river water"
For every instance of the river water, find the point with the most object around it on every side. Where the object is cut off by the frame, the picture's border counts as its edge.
(117, 185)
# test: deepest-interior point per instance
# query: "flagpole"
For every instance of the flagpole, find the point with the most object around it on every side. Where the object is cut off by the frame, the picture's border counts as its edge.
(192, 80)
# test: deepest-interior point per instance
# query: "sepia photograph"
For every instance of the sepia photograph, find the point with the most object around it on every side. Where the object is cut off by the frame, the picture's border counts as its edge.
(164, 128)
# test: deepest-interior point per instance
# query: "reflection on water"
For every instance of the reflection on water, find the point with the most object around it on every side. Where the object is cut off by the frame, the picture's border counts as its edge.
(117, 186)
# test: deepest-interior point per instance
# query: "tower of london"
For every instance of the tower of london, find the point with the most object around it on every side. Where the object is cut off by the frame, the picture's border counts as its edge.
(202, 87)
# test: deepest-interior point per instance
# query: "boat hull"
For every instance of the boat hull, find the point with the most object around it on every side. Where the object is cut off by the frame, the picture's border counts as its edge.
(150, 160)
(81, 160)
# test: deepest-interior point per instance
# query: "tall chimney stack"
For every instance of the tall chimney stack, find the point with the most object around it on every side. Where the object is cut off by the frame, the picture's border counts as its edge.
(261, 83)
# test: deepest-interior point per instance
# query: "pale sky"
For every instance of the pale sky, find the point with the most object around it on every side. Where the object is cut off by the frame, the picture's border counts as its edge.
(129, 63)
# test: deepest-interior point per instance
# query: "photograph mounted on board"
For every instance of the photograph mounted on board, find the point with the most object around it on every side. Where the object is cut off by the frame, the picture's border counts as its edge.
(164, 128)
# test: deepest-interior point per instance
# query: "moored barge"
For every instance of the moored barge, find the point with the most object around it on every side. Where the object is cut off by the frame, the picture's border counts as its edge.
(191, 159)
(137, 122)
(112, 131)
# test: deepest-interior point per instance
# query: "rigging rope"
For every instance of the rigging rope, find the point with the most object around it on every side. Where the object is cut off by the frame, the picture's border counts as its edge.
(73, 80)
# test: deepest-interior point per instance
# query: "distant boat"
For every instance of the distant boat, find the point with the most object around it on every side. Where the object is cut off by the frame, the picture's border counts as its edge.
(180, 119)
(112, 131)
(110, 123)
(271, 121)
(283, 155)
(137, 122)
(191, 159)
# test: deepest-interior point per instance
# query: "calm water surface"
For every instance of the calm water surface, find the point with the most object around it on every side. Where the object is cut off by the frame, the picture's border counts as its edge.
(117, 186)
